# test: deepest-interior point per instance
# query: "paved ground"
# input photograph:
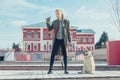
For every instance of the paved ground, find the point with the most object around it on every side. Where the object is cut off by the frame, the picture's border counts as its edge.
(73, 75)
(57, 66)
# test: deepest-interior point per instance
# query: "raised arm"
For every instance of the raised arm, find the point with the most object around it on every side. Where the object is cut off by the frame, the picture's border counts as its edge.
(50, 27)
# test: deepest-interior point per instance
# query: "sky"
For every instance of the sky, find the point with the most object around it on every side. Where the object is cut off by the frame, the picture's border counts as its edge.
(85, 14)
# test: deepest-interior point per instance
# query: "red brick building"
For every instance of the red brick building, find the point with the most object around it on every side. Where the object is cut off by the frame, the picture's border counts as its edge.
(37, 38)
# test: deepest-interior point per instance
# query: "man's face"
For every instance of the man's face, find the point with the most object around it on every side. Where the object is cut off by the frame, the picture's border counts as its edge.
(58, 14)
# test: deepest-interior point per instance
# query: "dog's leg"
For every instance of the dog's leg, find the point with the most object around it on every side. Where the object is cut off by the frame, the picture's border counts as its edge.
(83, 70)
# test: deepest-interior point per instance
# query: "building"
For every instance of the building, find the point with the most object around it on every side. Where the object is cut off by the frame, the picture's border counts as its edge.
(37, 38)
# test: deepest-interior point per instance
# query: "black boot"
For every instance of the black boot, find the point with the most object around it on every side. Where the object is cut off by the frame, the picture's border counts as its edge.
(51, 65)
(65, 67)
(66, 72)
(50, 72)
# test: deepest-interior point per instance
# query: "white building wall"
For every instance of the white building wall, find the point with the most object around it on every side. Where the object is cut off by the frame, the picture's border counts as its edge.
(44, 42)
(85, 46)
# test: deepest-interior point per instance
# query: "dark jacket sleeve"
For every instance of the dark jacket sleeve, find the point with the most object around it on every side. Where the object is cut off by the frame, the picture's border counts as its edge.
(50, 27)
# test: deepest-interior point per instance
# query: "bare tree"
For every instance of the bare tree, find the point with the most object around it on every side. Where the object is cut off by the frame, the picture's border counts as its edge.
(115, 13)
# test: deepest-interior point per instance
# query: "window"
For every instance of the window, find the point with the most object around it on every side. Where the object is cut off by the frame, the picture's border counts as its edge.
(35, 47)
(35, 34)
(72, 35)
(44, 35)
(89, 39)
(50, 47)
(28, 47)
(50, 35)
(81, 48)
(44, 47)
(84, 39)
(92, 48)
(29, 34)
(78, 38)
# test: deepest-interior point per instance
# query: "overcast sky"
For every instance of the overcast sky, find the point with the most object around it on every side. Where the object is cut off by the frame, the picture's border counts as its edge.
(87, 14)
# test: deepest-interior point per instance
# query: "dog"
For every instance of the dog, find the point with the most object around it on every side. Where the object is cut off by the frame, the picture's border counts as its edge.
(89, 64)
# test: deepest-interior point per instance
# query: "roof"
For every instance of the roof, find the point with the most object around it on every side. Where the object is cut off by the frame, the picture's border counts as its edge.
(73, 27)
(85, 31)
(42, 24)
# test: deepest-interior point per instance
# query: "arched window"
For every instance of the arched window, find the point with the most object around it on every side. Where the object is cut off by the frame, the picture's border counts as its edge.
(45, 47)
(36, 47)
(50, 47)
(50, 35)
(28, 47)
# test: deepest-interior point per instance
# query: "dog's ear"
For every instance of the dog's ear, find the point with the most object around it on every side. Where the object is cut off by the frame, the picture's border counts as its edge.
(84, 52)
